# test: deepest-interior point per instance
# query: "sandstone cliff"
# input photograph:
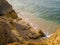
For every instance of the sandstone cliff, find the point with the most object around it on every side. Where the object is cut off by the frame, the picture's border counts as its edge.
(14, 29)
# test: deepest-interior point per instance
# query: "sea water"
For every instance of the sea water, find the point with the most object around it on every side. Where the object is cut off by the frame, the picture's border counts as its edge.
(43, 14)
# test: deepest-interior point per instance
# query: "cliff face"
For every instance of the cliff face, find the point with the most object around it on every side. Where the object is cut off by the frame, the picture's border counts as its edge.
(5, 7)
(7, 14)
(14, 29)
(53, 40)
(6, 36)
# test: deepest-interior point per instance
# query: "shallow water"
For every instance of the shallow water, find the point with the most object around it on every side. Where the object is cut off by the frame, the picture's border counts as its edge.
(44, 14)
(47, 9)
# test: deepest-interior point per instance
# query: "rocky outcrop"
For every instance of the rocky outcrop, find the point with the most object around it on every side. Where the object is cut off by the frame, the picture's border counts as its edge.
(6, 35)
(53, 40)
(28, 32)
(7, 14)
(14, 29)
(11, 14)
(5, 7)
(7, 10)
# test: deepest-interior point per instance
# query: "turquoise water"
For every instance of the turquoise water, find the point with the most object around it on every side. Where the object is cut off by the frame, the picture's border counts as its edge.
(46, 9)
(42, 14)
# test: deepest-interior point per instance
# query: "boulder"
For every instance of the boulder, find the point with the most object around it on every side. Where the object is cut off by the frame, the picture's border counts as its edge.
(5, 7)
(6, 35)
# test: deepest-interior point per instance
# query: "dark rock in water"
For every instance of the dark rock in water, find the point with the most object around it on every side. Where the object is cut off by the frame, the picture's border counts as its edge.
(5, 7)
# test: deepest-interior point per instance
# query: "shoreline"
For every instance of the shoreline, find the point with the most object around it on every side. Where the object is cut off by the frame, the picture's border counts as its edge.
(48, 27)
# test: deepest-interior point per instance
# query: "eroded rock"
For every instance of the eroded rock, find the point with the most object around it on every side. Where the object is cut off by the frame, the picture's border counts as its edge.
(6, 36)
(5, 7)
